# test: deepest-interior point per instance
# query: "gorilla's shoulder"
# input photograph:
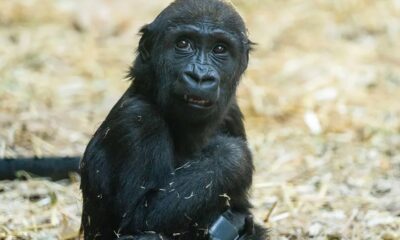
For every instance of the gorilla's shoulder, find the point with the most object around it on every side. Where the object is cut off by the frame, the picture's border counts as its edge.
(135, 106)
(134, 112)
(130, 121)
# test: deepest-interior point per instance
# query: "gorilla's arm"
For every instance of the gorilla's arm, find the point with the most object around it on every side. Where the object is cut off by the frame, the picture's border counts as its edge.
(216, 180)
(203, 188)
(128, 157)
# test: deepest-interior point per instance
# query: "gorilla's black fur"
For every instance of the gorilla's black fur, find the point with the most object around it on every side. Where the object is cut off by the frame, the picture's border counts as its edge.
(172, 154)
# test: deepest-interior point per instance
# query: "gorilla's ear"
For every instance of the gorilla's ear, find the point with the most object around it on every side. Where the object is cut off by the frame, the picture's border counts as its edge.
(249, 48)
(145, 42)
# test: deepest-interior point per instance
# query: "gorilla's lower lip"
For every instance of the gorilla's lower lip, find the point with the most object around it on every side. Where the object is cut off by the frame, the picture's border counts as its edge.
(197, 101)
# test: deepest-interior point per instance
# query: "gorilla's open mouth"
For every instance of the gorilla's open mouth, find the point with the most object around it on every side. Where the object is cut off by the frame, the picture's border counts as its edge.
(197, 101)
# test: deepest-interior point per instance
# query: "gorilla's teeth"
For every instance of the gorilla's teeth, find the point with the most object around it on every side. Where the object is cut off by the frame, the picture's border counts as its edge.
(196, 101)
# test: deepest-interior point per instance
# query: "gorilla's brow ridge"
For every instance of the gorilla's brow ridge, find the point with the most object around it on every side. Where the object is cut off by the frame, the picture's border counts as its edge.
(204, 29)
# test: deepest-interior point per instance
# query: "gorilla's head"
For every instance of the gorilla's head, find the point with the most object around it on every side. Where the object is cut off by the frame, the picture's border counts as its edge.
(190, 59)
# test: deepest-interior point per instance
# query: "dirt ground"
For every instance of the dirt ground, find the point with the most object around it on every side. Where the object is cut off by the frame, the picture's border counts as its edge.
(321, 99)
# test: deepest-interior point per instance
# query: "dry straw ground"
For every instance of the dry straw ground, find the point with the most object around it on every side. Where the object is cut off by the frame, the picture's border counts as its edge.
(321, 99)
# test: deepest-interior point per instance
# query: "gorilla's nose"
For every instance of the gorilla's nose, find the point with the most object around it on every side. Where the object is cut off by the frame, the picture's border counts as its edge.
(201, 76)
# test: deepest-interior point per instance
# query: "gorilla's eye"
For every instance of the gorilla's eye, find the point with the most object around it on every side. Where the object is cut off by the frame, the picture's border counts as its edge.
(183, 44)
(219, 49)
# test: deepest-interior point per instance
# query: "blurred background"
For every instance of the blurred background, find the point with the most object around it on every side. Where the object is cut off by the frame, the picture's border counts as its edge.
(321, 99)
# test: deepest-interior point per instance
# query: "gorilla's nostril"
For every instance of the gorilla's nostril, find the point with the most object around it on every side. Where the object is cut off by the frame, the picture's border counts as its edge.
(194, 77)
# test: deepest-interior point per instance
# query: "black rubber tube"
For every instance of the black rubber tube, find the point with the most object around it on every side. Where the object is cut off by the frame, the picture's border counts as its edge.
(55, 168)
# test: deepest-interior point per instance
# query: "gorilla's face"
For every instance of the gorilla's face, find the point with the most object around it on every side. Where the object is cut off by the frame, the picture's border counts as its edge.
(198, 68)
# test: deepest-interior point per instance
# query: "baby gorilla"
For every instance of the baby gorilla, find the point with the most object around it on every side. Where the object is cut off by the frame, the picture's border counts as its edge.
(171, 161)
